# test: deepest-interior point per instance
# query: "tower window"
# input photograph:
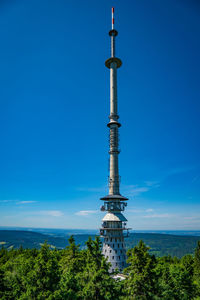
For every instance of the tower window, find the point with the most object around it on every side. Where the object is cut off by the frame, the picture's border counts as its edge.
(110, 251)
(115, 240)
(113, 257)
(113, 245)
(118, 245)
(111, 239)
(116, 264)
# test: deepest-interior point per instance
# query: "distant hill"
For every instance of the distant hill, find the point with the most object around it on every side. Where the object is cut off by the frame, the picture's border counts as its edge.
(165, 244)
(30, 239)
(160, 244)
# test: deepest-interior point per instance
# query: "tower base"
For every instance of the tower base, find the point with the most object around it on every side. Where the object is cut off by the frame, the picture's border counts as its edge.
(115, 252)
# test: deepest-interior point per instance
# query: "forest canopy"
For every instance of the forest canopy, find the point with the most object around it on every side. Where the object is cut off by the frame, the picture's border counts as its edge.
(73, 273)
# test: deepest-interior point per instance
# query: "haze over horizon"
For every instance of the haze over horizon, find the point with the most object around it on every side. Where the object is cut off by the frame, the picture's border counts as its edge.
(54, 100)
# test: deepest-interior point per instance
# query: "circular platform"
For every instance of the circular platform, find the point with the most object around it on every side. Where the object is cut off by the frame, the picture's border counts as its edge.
(110, 60)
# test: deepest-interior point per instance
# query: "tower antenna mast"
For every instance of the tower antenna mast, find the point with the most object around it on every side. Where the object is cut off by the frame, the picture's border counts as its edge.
(113, 20)
(114, 223)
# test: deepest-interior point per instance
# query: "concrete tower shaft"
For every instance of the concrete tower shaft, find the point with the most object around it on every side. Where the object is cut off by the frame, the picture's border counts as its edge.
(113, 90)
(113, 63)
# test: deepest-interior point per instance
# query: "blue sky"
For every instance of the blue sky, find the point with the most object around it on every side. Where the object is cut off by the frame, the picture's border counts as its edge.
(54, 100)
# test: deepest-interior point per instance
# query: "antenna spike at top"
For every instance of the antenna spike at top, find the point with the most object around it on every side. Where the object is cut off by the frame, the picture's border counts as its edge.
(113, 20)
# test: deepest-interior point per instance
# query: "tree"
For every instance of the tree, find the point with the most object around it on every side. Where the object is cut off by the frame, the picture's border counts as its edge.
(96, 280)
(197, 262)
(175, 278)
(43, 279)
(197, 267)
(72, 264)
(187, 263)
(142, 279)
(2, 284)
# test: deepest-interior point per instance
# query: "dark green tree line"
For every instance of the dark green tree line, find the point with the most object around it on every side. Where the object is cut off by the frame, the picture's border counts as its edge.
(75, 274)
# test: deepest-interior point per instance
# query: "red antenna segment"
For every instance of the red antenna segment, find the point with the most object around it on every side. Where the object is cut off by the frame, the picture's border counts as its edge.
(113, 20)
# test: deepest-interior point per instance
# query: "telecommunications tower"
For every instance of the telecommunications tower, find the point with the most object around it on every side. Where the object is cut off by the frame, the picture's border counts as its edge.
(114, 223)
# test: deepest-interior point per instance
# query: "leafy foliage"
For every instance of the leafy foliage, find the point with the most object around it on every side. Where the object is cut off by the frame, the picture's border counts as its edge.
(142, 278)
(75, 274)
(97, 282)
(197, 266)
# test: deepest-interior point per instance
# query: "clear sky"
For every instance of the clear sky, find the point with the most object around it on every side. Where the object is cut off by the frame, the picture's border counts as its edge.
(54, 107)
